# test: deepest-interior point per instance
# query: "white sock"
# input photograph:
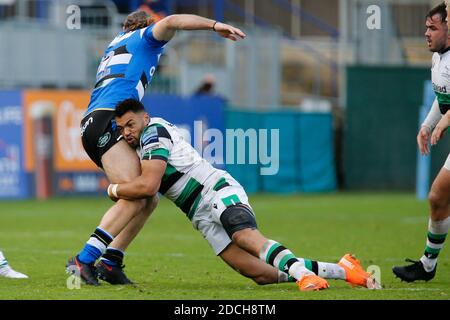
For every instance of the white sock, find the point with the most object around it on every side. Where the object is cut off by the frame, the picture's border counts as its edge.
(282, 277)
(2, 257)
(330, 271)
(298, 270)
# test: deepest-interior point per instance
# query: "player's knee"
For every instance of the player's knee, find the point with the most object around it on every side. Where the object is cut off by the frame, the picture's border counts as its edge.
(150, 205)
(236, 218)
(439, 205)
(436, 200)
(137, 206)
(153, 202)
(242, 236)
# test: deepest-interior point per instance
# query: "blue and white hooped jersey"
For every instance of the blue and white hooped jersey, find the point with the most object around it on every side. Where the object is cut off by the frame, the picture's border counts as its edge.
(126, 68)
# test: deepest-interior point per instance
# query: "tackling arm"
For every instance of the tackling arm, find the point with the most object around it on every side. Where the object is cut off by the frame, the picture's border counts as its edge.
(144, 186)
(166, 28)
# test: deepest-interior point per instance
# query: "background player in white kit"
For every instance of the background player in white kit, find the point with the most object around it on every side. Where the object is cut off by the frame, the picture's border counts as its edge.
(217, 205)
(8, 272)
(432, 129)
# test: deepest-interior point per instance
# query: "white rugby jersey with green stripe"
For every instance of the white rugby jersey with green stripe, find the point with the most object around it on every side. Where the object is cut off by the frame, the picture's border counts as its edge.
(188, 176)
(440, 76)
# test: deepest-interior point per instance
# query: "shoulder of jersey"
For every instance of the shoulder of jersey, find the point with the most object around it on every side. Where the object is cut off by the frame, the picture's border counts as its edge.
(150, 135)
(161, 122)
(435, 59)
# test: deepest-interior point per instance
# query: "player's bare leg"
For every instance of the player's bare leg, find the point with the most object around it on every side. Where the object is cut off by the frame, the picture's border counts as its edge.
(251, 267)
(439, 196)
(252, 241)
(438, 226)
(117, 171)
(110, 268)
(309, 274)
(116, 219)
(127, 235)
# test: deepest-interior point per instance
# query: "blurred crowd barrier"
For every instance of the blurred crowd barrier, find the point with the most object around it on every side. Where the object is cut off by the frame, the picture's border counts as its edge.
(41, 154)
(306, 157)
(381, 125)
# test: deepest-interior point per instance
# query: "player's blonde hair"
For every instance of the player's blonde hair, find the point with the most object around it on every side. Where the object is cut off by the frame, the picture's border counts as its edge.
(137, 20)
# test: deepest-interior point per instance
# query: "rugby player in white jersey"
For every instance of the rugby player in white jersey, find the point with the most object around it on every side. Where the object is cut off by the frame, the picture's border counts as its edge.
(7, 272)
(432, 129)
(217, 206)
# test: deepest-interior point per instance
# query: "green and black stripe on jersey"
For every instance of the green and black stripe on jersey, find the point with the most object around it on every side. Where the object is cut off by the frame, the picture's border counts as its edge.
(443, 98)
(189, 198)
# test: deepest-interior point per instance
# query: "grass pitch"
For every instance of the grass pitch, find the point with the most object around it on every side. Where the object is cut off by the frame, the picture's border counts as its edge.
(170, 260)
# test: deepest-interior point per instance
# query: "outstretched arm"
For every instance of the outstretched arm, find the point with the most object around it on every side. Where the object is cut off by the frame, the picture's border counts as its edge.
(166, 28)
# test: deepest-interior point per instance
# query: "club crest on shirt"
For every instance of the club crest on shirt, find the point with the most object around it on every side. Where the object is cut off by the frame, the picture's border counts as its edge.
(103, 140)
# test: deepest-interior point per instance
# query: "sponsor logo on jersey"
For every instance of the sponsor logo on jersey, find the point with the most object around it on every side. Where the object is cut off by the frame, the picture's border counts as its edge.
(441, 89)
(103, 140)
(150, 136)
(149, 147)
(88, 122)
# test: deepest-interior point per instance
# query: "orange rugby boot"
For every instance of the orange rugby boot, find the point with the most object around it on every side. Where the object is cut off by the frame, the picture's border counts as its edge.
(355, 274)
(311, 282)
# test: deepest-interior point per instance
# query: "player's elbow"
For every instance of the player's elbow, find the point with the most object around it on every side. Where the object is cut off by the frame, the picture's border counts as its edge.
(173, 22)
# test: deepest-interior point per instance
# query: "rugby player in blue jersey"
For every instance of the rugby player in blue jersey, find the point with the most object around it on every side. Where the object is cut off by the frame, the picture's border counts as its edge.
(125, 71)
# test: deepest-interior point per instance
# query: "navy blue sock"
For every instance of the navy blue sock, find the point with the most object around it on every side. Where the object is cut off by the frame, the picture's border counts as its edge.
(113, 257)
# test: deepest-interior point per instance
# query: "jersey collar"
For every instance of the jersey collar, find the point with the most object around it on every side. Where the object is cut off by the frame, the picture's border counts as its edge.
(444, 51)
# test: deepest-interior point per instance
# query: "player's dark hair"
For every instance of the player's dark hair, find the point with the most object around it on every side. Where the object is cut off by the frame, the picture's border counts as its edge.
(137, 20)
(132, 105)
(441, 10)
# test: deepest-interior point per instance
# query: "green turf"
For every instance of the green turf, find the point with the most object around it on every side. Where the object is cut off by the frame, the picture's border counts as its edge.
(170, 260)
